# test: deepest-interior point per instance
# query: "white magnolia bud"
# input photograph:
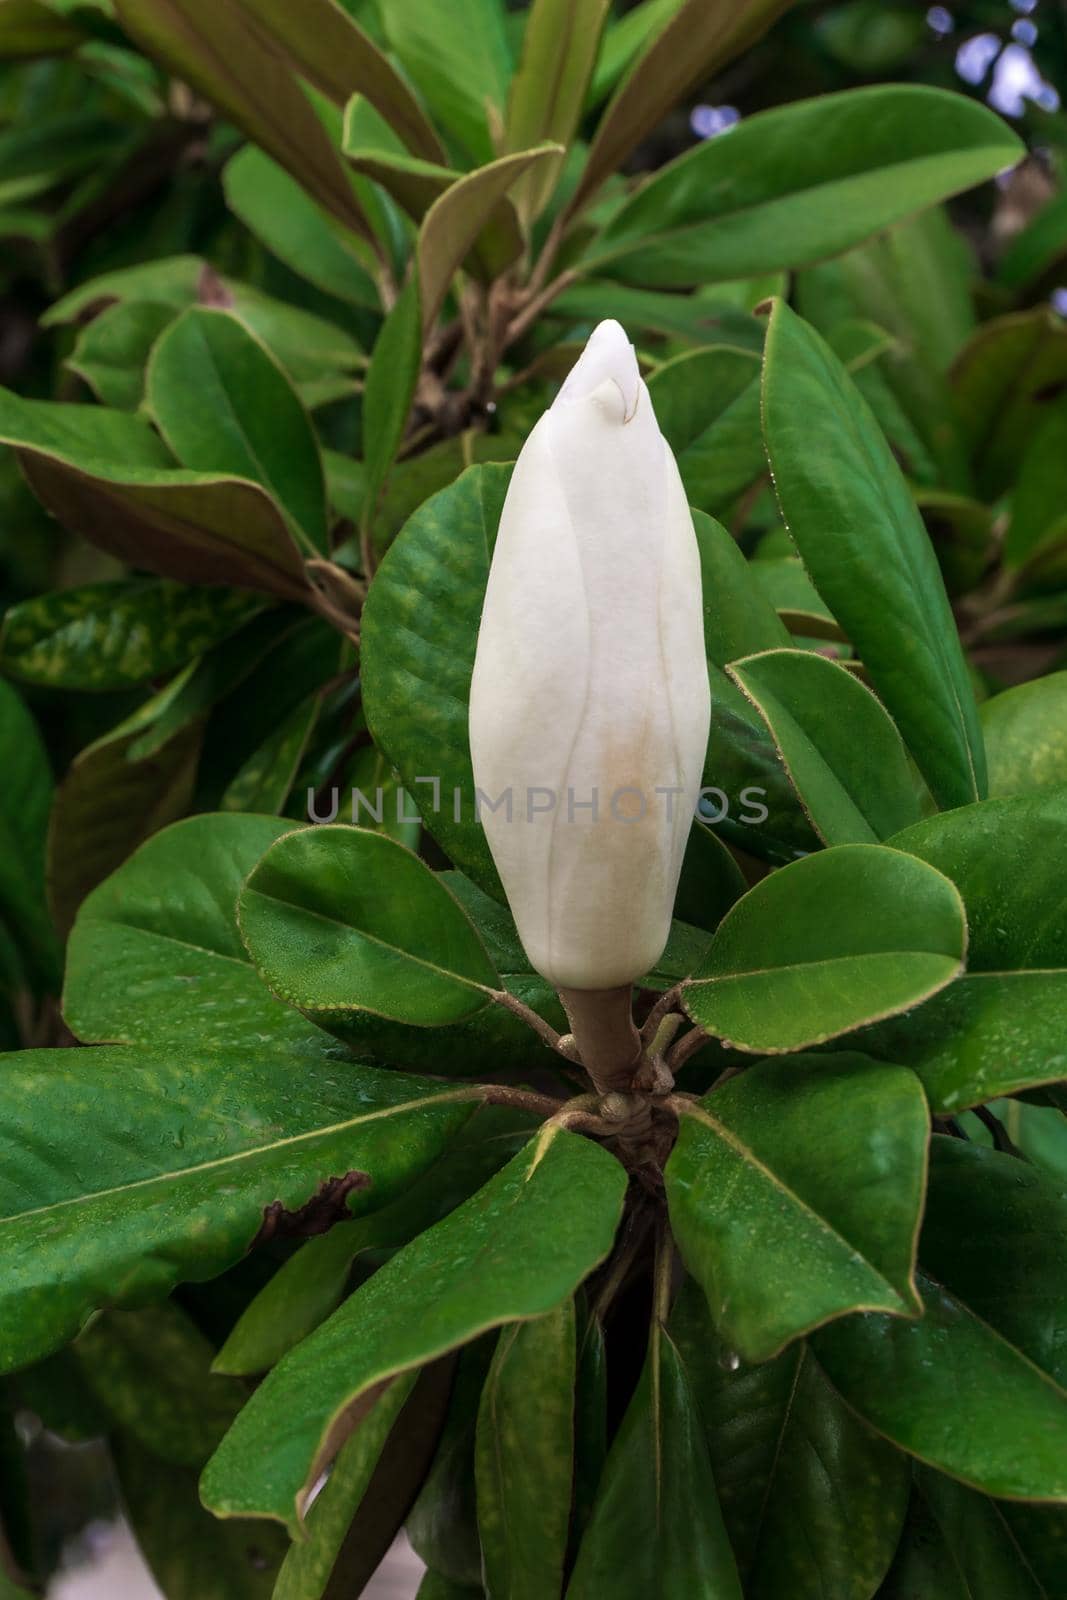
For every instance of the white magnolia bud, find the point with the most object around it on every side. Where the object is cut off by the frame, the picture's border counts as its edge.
(590, 700)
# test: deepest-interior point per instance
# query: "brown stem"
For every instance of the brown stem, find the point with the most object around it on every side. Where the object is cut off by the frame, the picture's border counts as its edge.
(533, 308)
(603, 1027)
(502, 1094)
(663, 1007)
(543, 1029)
(687, 1046)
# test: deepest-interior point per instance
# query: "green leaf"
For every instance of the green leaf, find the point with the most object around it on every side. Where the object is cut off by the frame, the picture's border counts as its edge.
(329, 47)
(419, 632)
(524, 1456)
(839, 745)
(224, 405)
(1037, 510)
(1026, 736)
(283, 217)
(800, 960)
(801, 609)
(711, 880)
(491, 1035)
(138, 1190)
(517, 1249)
(742, 761)
(224, 56)
(106, 475)
(29, 28)
(994, 1322)
(559, 48)
(1003, 381)
(799, 183)
(264, 782)
(1005, 857)
(115, 635)
(959, 1545)
(693, 46)
(656, 1528)
(1038, 248)
(459, 61)
(155, 958)
(190, 1554)
(345, 919)
(442, 1525)
(861, 538)
(813, 1501)
(390, 389)
(25, 805)
(460, 215)
(795, 1193)
(902, 1377)
(311, 1284)
(151, 1371)
(111, 799)
(707, 403)
(343, 1545)
(997, 1029)
(112, 351)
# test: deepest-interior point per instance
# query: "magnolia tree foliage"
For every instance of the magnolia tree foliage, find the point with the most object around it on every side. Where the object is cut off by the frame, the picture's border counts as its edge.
(660, 1208)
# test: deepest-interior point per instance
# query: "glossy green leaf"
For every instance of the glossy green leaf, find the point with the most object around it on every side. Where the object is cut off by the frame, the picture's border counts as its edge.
(559, 48)
(265, 781)
(801, 609)
(742, 762)
(657, 1507)
(328, 46)
(226, 58)
(115, 635)
(155, 958)
(137, 1190)
(459, 61)
(795, 1193)
(855, 524)
(800, 959)
(813, 1500)
(494, 1034)
(459, 216)
(801, 182)
(1003, 856)
(151, 1371)
(696, 41)
(25, 806)
(310, 1567)
(419, 632)
(390, 389)
(442, 1525)
(190, 1554)
(707, 403)
(1003, 380)
(517, 1249)
(106, 475)
(311, 1284)
(839, 745)
(1026, 736)
(711, 880)
(690, 317)
(993, 1321)
(435, 1586)
(224, 405)
(1037, 509)
(338, 918)
(524, 1456)
(112, 350)
(960, 1545)
(590, 1423)
(110, 800)
(284, 218)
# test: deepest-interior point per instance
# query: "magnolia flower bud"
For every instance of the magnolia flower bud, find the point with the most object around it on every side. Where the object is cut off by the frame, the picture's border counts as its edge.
(589, 707)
